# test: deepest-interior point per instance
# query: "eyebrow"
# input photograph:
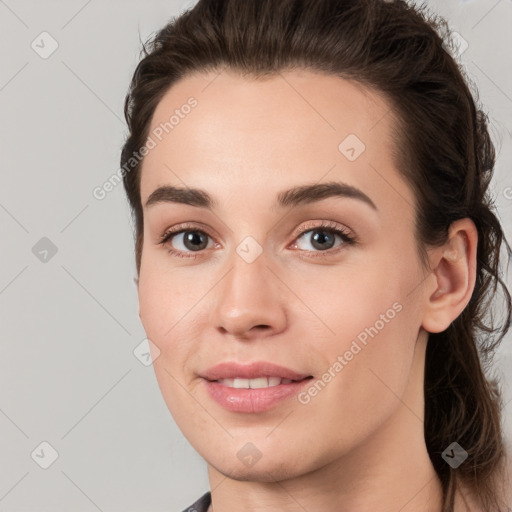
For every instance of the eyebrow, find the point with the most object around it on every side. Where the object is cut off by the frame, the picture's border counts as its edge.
(295, 196)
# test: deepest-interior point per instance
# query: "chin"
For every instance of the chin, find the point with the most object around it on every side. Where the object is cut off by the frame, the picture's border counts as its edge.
(261, 471)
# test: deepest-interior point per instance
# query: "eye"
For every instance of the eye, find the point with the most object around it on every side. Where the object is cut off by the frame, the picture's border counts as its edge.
(183, 240)
(323, 237)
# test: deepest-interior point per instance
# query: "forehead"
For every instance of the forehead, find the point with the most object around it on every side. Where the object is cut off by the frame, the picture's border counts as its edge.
(295, 126)
(312, 101)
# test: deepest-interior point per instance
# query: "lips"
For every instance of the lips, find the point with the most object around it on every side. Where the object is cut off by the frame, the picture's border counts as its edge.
(252, 388)
(255, 370)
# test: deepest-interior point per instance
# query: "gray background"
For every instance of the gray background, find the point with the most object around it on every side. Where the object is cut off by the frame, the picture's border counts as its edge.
(68, 374)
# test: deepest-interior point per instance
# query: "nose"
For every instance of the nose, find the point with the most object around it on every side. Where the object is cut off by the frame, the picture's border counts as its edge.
(250, 300)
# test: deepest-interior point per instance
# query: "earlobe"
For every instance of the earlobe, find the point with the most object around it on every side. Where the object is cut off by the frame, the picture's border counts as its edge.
(454, 276)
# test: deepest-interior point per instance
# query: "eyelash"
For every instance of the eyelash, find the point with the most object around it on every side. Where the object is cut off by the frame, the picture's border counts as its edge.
(329, 227)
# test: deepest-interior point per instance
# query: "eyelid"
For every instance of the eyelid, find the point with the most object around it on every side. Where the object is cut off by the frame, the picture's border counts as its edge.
(323, 224)
(184, 226)
(342, 231)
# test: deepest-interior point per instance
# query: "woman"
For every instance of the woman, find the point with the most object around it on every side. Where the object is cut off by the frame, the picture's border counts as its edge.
(316, 250)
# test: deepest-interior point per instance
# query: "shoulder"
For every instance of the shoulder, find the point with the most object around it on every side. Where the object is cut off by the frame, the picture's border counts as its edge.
(201, 505)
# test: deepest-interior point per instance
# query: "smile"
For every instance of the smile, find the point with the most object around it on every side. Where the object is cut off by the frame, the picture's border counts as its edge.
(257, 383)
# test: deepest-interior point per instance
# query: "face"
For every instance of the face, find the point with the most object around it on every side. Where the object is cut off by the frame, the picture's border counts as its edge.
(323, 282)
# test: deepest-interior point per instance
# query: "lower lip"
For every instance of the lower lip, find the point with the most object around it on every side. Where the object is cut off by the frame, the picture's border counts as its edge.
(252, 400)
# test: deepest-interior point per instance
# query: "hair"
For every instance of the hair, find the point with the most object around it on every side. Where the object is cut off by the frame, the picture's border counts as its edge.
(444, 152)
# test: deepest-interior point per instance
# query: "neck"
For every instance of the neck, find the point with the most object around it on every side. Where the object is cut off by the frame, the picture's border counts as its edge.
(390, 471)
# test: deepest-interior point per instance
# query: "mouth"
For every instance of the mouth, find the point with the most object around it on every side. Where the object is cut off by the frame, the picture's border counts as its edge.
(258, 382)
(255, 371)
(252, 388)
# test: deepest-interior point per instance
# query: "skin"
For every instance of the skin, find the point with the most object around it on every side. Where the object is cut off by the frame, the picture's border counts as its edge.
(359, 443)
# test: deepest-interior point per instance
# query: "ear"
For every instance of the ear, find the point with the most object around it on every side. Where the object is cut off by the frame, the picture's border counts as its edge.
(453, 276)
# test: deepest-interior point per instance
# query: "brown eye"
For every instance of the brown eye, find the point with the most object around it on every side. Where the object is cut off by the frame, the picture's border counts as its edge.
(193, 240)
(188, 240)
(185, 241)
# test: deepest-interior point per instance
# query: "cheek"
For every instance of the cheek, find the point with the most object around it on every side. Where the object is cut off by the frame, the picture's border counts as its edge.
(163, 300)
(369, 375)
(349, 299)
(163, 313)
(171, 313)
(373, 326)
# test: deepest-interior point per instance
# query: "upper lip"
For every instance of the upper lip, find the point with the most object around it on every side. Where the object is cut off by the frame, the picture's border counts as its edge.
(231, 370)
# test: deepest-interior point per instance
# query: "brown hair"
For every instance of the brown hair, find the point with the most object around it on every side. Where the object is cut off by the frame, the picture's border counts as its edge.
(445, 154)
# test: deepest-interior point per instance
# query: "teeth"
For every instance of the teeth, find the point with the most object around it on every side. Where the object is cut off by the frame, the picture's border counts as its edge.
(258, 383)
(241, 383)
(274, 381)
